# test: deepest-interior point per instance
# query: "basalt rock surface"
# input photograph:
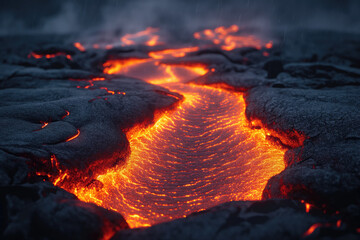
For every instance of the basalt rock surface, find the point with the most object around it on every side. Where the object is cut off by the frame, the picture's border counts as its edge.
(56, 116)
(282, 219)
(41, 211)
(310, 84)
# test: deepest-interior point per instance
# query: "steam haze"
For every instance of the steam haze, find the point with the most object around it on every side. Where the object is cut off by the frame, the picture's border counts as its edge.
(23, 16)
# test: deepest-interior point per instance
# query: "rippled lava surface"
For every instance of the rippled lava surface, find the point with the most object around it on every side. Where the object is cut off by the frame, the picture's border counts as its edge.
(201, 154)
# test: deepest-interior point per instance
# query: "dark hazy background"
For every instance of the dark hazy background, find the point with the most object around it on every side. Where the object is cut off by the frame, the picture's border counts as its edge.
(70, 16)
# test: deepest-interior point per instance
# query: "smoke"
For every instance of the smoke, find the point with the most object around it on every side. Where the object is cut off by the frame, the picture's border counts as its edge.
(63, 22)
(66, 16)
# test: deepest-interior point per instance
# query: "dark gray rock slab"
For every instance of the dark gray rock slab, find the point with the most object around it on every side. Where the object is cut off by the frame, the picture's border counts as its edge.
(285, 219)
(42, 211)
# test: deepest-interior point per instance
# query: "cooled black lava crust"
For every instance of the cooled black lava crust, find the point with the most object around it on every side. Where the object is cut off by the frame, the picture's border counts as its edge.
(309, 82)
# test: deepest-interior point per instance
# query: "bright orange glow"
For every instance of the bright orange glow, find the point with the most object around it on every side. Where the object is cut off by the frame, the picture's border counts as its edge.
(311, 229)
(179, 52)
(79, 46)
(54, 162)
(200, 70)
(269, 45)
(52, 55)
(307, 206)
(148, 35)
(67, 113)
(229, 39)
(200, 155)
(197, 35)
(56, 166)
(121, 65)
(153, 41)
(338, 223)
(73, 137)
(91, 84)
(60, 178)
(315, 226)
(44, 124)
(291, 138)
(98, 79)
(56, 171)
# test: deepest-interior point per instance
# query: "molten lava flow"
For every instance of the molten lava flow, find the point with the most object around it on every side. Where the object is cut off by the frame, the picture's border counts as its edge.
(229, 39)
(200, 155)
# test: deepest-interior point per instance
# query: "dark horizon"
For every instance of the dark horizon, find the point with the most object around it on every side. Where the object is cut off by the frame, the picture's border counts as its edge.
(43, 16)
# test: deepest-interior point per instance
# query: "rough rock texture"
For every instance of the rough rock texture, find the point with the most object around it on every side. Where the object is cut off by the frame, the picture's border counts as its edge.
(101, 117)
(42, 211)
(310, 85)
(305, 91)
(58, 116)
(280, 219)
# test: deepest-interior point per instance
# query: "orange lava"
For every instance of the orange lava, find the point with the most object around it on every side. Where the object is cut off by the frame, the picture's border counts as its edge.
(315, 226)
(180, 52)
(229, 38)
(148, 36)
(73, 137)
(307, 206)
(52, 55)
(121, 65)
(200, 155)
(312, 228)
(98, 79)
(79, 46)
(92, 85)
(67, 113)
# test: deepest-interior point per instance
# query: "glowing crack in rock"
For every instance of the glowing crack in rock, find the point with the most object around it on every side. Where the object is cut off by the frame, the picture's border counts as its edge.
(49, 55)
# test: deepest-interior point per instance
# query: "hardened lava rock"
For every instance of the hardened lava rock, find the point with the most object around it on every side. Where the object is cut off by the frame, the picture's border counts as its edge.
(63, 113)
(312, 86)
(42, 211)
(58, 117)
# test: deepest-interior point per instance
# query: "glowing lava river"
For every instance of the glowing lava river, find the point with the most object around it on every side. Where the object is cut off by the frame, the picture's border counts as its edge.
(201, 154)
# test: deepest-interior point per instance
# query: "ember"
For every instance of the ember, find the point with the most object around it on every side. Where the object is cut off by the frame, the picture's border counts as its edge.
(79, 46)
(229, 39)
(49, 55)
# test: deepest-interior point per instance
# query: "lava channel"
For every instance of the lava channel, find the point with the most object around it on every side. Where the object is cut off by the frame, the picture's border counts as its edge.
(200, 155)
